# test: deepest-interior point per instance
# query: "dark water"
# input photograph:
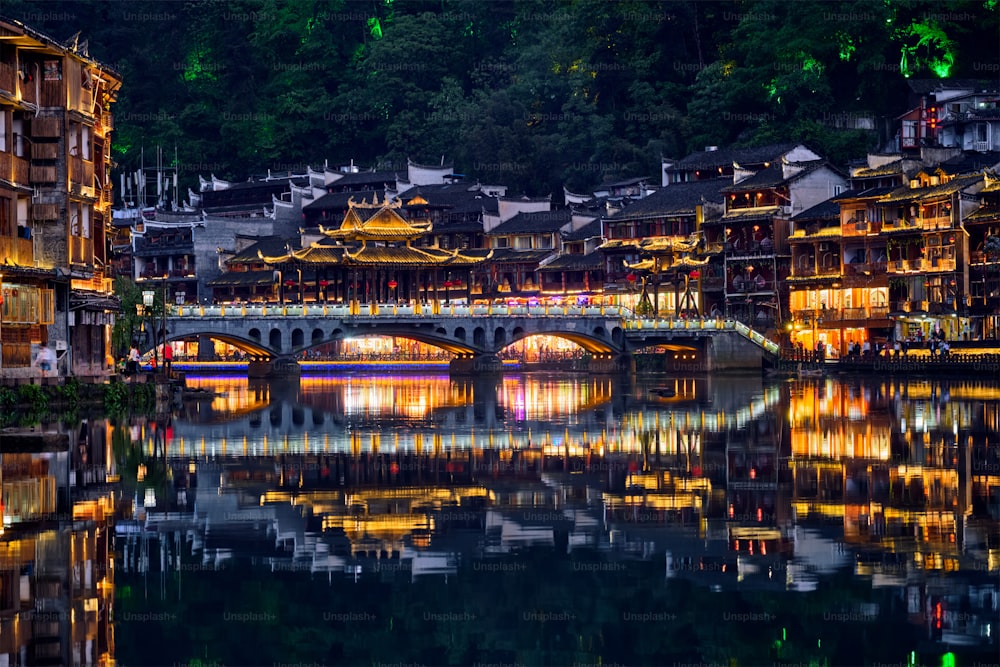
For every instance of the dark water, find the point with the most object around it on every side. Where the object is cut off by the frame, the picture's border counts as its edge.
(562, 520)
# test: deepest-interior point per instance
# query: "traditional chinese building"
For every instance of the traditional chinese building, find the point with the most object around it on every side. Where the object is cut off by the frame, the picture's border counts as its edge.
(55, 201)
(374, 256)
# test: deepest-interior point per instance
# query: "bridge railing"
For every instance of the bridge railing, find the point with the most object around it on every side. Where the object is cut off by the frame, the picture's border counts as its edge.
(677, 324)
(388, 310)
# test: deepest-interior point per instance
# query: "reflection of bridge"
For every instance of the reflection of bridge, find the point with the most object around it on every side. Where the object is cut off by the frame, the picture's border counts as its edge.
(274, 335)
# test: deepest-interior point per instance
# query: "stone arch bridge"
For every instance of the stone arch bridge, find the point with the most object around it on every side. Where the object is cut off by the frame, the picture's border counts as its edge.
(275, 336)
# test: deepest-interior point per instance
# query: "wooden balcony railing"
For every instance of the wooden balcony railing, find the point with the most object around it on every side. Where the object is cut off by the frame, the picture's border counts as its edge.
(937, 222)
(938, 264)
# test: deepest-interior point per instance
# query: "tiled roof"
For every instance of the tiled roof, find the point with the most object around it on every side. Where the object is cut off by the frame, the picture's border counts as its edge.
(863, 193)
(906, 193)
(823, 210)
(758, 213)
(242, 279)
(887, 169)
(969, 162)
(569, 262)
(375, 178)
(537, 222)
(509, 255)
(774, 176)
(620, 244)
(675, 199)
(338, 201)
(268, 245)
(590, 230)
(456, 197)
(376, 223)
(727, 156)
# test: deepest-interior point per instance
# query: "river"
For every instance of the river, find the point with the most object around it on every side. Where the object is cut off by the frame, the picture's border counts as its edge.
(561, 519)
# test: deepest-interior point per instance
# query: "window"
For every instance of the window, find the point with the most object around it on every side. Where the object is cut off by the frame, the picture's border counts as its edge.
(85, 141)
(73, 139)
(837, 189)
(3, 131)
(20, 145)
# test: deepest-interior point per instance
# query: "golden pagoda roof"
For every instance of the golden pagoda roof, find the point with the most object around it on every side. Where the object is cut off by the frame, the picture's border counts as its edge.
(680, 263)
(376, 221)
(324, 252)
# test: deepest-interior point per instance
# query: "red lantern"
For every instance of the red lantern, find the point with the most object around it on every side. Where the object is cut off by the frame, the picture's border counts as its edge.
(630, 277)
(324, 283)
(289, 283)
(695, 274)
(447, 283)
(392, 284)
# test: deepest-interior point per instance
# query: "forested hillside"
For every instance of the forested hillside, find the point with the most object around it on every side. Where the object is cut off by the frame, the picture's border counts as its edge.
(530, 93)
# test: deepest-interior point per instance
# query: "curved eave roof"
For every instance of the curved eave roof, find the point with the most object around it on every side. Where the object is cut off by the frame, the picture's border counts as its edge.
(410, 256)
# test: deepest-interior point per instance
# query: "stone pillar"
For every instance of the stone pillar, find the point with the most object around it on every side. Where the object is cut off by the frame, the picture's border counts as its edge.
(478, 365)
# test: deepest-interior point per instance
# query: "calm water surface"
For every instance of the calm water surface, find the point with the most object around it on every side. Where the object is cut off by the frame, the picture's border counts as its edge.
(562, 520)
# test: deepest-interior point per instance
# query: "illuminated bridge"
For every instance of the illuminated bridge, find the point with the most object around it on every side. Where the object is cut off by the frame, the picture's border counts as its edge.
(275, 336)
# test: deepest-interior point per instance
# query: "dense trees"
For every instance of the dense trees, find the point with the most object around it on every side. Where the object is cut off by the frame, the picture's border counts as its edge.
(532, 93)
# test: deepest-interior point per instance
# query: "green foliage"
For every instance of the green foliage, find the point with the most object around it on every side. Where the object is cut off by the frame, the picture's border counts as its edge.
(125, 398)
(530, 93)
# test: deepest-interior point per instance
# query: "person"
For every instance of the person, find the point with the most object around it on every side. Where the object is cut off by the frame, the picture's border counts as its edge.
(168, 358)
(133, 360)
(46, 359)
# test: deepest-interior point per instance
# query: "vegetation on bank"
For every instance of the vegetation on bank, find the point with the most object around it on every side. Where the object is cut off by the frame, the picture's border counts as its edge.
(31, 404)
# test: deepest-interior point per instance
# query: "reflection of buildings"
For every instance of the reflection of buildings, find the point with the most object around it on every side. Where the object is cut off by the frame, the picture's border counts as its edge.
(774, 487)
(56, 577)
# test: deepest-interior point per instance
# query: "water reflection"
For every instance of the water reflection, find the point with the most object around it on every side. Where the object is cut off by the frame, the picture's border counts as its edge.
(429, 520)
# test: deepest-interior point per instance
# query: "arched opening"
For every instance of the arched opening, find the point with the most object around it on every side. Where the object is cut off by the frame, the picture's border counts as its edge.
(499, 338)
(254, 334)
(298, 337)
(317, 336)
(543, 348)
(460, 333)
(600, 333)
(274, 338)
(479, 337)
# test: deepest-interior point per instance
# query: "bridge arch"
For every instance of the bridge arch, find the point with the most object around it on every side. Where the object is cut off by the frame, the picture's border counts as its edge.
(298, 337)
(274, 338)
(248, 345)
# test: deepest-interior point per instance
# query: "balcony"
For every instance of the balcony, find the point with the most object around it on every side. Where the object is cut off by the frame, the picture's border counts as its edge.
(81, 250)
(45, 128)
(43, 175)
(45, 211)
(904, 266)
(865, 269)
(936, 222)
(948, 265)
(44, 151)
(14, 169)
(19, 251)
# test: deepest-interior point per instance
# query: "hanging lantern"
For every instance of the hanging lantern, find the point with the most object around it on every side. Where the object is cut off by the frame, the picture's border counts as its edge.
(290, 283)
(392, 284)
(695, 274)
(630, 277)
(324, 283)
(447, 283)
